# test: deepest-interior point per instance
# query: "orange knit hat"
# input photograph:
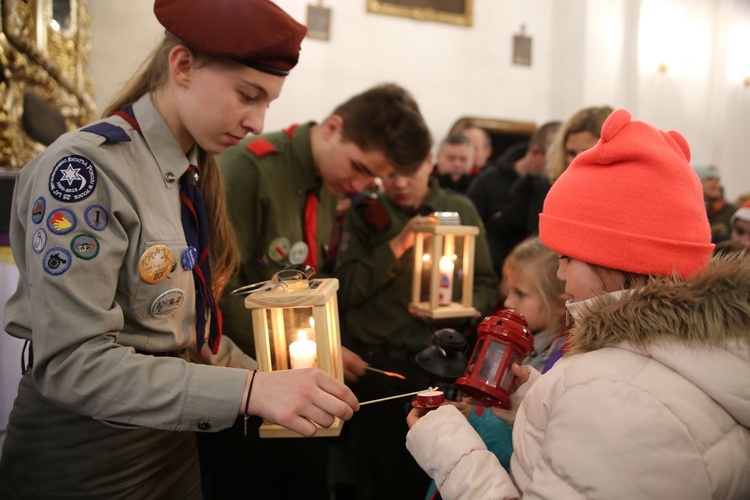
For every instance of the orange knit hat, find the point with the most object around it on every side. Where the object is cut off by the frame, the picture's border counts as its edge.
(632, 203)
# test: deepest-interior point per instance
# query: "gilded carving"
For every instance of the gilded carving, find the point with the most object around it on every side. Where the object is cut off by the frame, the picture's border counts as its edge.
(40, 56)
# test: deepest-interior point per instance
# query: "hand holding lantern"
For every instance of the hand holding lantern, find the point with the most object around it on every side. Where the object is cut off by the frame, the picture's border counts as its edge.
(502, 340)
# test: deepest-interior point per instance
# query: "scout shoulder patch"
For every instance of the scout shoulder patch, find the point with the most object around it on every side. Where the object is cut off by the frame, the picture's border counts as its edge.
(112, 133)
(72, 179)
(261, 147)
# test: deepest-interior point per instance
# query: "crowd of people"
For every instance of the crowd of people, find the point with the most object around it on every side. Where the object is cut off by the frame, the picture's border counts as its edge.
(140, 379)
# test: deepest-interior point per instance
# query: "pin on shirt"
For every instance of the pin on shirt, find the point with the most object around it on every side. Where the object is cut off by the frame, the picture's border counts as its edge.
(156, 263)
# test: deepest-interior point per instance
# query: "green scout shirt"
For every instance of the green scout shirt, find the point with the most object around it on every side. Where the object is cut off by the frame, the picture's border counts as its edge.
(375, 287)
(266, 191)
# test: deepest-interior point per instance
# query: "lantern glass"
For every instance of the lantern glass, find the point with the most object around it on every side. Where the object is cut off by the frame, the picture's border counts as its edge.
(292, 341)
(443, 279)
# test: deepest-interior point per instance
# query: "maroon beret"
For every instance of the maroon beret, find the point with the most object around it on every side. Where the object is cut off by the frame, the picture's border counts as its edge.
(257, 33)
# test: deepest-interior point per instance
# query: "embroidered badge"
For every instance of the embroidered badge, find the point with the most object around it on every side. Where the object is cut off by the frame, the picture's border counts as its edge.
(96, 217)
(189, 258)
(298, 252)
(61, 221)
(72, 179)
(156, 263)
(85, 246)
(56, 261)
(167, 303)
(39, 240)
(37, 211)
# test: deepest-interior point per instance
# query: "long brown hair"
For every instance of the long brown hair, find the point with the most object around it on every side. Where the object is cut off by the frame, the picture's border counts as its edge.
(152, 75)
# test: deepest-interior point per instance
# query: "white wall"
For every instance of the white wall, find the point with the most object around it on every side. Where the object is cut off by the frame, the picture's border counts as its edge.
(585, 52)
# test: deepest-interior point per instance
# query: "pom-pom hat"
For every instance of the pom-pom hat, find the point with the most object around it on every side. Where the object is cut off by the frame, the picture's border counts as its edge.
(257, 33)
(631, 203)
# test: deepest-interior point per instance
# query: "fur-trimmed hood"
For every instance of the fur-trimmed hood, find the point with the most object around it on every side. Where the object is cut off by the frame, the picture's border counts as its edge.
(699, 327)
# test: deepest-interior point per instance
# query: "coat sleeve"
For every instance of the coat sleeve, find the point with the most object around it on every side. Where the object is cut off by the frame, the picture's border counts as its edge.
(446, 446)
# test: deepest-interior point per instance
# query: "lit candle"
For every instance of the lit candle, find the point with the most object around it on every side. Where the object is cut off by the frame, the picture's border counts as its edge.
(302, 352)
(446, 281)
(431, 398)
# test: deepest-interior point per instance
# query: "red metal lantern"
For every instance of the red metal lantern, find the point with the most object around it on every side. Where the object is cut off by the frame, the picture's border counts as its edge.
(502, 340)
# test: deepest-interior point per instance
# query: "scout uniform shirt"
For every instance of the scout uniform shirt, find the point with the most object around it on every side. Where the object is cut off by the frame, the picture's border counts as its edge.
(268, 179)
(95, 218)
(375, 287)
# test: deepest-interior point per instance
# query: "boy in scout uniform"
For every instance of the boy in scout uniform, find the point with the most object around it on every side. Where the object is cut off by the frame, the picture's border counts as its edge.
(282, 190)
(375, 268)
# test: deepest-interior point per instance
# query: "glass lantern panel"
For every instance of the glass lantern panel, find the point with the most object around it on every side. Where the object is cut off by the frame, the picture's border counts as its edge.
(300, 337)
(474, 355)
(491, 362)
(508, 377)
(286, 326)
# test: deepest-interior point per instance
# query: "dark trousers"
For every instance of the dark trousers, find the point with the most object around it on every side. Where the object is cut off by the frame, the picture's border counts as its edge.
(235, 466)
(372, 449)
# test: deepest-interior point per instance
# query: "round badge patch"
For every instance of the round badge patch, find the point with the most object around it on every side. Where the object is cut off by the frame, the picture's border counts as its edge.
(167, 303)
(96, 217)
(85, 246)
(56, 260)
(72, 179)
(39, 240)
(278, 249)
(189, 258)
(61, 221)
(156, 263)
(298, 253)
(37, 211)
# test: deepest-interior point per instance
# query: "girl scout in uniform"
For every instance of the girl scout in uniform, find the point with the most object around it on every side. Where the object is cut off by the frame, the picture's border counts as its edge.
(116, 298)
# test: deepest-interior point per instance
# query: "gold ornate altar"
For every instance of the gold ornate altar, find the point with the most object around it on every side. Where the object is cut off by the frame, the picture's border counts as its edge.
(45, 85)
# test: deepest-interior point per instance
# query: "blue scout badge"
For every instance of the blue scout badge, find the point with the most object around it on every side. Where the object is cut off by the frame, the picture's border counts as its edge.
(72, 179)
(278, 249)
(56, 260)
(85, 246)
(189, 258)
(37, 211)
(39, 240)
(167, 303)
(96, 217)
(61, 221)
(298, 253)
(156, 263)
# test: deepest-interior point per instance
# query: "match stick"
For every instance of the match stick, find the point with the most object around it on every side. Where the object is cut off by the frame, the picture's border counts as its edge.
(394, 397)
(390, 374)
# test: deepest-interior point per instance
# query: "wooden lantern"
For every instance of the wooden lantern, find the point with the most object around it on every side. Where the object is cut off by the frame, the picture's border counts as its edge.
(443, 281)
(296, 325)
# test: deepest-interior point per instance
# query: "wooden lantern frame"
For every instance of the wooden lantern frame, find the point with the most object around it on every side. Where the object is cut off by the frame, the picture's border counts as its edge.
(271, 339)
(444, 241)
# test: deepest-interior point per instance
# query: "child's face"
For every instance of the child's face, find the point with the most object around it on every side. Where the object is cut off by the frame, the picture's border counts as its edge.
(583, 281)
(524, 298)
(741, 234)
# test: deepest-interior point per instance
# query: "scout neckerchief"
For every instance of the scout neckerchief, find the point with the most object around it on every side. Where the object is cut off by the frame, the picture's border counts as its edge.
(310, 227)
(195, 226)
(310, 217)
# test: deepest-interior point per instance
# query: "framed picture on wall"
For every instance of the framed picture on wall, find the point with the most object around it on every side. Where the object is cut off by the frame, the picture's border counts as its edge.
(522, 48)
(318, 22)
(459, 12)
